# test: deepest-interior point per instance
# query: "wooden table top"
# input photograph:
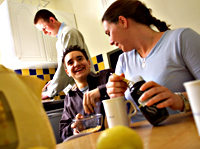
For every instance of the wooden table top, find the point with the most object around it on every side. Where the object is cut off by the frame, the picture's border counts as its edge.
(178, 131)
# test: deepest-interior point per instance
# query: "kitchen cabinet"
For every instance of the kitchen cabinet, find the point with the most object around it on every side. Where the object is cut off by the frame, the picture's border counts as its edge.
(22, 45)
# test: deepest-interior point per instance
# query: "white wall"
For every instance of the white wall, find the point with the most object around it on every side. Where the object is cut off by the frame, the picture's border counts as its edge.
(177, 13)
(88, 13)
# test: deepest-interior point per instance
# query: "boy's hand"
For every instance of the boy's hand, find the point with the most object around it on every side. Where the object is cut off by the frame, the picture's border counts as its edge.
(89, 100)
(74, 125)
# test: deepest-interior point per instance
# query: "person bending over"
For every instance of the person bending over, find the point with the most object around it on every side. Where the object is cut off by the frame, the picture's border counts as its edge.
(47, 22)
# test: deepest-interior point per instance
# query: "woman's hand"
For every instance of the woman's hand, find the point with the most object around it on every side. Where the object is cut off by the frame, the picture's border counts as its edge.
(116, 86)
(159, 93)
(89, 100)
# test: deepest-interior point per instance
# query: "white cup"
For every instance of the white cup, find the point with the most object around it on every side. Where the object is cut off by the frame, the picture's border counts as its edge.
(193, 92)
(116, 113)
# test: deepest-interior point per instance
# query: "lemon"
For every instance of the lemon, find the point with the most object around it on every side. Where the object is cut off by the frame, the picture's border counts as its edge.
(119, 137)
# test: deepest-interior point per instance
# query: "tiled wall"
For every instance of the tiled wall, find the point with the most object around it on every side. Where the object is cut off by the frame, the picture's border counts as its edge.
(98, 62)
(47, 74)
(44, 74)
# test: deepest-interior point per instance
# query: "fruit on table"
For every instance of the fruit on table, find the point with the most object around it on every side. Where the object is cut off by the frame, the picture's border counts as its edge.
(119, 137)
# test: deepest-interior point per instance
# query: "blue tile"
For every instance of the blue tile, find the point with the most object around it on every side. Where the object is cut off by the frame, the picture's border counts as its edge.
(18, 71)
(40, 76)
(96, 67)
(62, 96)
(45, 71)
(99, 58)
(51, 76)
(32, 71)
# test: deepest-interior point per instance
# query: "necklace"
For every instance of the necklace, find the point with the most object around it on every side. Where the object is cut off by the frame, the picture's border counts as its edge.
(143, 62)
(144, 59)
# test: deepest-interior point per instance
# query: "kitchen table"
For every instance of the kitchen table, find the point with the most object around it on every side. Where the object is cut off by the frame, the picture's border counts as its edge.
(178, 131)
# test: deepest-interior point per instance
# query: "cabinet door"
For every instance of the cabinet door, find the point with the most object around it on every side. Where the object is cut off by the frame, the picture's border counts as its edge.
(50, 42)
(28, 40)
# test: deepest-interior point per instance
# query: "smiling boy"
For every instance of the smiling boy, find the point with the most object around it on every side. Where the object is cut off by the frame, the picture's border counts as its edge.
(87, 94)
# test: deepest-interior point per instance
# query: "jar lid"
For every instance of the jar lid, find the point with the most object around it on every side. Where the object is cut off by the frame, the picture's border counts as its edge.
(137, 79)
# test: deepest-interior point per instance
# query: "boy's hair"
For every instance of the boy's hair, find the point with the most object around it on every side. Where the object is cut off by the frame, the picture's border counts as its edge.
(74, 48)
(43, 14)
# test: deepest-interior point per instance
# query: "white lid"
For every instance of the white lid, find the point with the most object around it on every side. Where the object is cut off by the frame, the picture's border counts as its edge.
(137, 79)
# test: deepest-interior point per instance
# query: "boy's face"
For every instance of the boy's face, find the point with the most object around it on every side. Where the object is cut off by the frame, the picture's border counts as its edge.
(77, 66)
(48, 28)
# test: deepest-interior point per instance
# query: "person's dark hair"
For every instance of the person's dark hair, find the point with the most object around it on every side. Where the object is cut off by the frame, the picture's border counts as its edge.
(74, 48)
(133, 9)
(43, 14)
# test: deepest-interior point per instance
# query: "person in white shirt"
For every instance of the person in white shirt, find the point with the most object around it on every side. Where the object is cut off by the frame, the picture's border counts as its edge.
(164, 58)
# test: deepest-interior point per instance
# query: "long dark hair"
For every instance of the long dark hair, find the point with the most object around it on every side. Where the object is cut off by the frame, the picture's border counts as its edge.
(135, 10)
